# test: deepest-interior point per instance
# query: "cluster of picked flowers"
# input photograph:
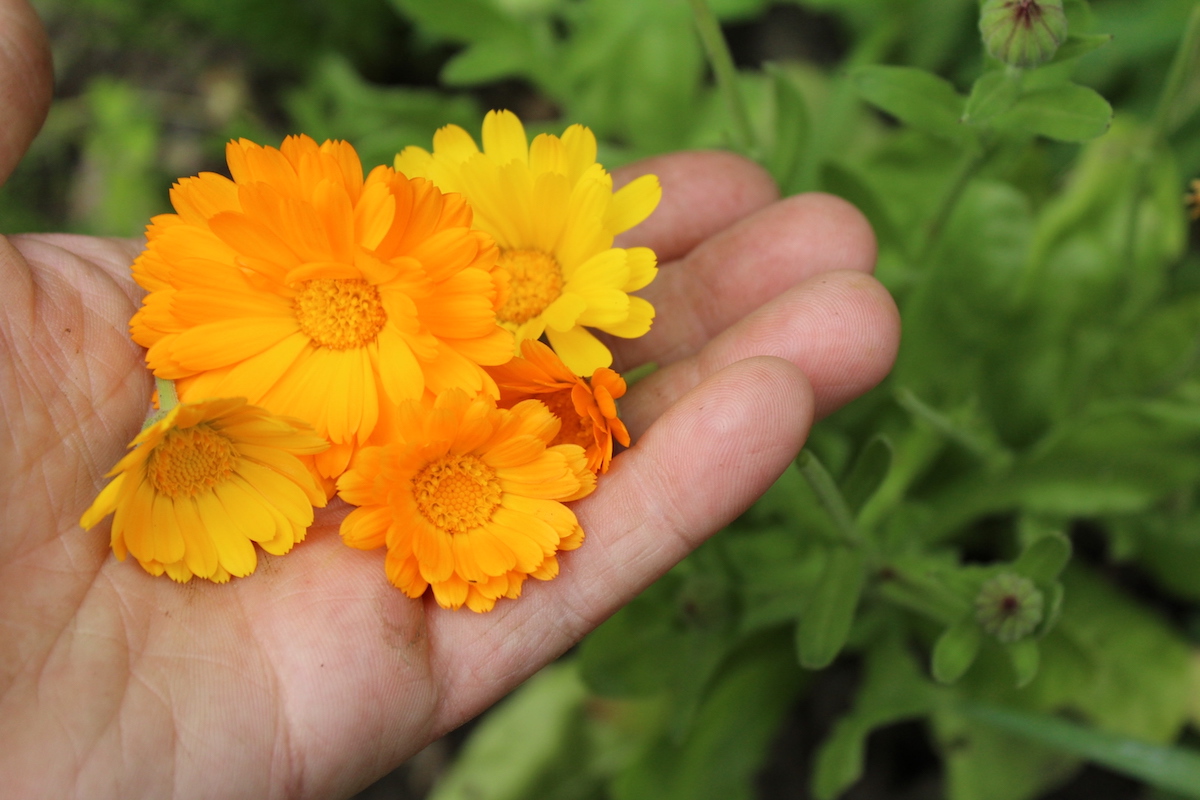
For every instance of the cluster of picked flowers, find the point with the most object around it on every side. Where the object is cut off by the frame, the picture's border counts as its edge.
(314, 332)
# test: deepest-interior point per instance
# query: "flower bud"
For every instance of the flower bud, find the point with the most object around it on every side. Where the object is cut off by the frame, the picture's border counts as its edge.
(1009, 607)
(1023, 33)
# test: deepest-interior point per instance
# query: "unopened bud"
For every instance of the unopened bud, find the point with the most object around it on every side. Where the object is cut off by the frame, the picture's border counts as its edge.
(1009, 607)
(1023, 33)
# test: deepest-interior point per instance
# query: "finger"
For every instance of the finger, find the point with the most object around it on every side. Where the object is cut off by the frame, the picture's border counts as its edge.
(703, 463)
(842, 329)
(26, 81)
(744, 266)
(66, 251)
(704, 192)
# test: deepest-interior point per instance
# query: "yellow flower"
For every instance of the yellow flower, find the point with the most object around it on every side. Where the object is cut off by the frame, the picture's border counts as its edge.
(469, 501)
(205, 482)
(587, 408)
(317, 294)
(552, 211)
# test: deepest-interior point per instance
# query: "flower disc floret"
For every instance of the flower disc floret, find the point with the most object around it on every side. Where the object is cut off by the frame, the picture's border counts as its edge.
(204, 484)
(468, 500)
(317, 293)
(552, 210)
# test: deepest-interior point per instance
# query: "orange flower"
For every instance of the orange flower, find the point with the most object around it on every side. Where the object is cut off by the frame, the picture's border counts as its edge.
(317, 294)
(469, 501)
(587, 408)
(205, 482)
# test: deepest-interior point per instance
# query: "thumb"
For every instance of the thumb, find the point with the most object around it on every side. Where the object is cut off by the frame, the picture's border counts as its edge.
(26, 81)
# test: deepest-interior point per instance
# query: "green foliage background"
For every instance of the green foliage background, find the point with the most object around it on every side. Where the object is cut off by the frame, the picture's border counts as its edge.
(1046, 398)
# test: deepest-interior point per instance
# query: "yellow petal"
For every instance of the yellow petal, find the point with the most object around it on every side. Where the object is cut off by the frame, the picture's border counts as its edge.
(504, 138)
(453, 143)
(633, 203)
(582, 352)
(641, 314)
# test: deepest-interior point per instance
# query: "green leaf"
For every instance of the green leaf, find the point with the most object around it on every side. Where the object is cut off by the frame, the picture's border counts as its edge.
(1181, 95)
(489, 60)
(915, 97)
(791, 129)
(826, 620)
(1079, 44)
(993, 94)
(1067, 112)
(516, 743)
(1045, 558)
(1025, 657)
(956, 649)
(842, 180)
(1174, 769)
(892, 690)
(730, 738)
(868, 472)
(457, 20)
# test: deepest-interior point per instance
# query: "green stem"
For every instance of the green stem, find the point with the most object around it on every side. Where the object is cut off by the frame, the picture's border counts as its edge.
(830, 496)
(967, 170)
(167, 397)
(727, 78)
(994, 455)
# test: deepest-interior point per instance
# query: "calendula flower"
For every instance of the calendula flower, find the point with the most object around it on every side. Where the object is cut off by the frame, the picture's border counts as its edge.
(206, 482)
(552, 211)
(317, 294)
(587, 408)
(469, 501)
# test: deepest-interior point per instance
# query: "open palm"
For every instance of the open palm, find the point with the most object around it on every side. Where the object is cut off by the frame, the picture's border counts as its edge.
(314, 675)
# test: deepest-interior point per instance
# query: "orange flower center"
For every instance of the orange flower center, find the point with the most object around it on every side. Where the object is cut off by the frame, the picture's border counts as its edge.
(575, 429)
(190, 461)
(340, 314)
(537, 281)
(457, 493)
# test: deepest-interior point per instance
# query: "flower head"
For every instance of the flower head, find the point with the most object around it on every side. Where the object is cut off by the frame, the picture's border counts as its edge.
(552, 211)
(316, 293)
(587, 408)
(470, 501)
(204, 483)
(1023, 33)
(1009, 606)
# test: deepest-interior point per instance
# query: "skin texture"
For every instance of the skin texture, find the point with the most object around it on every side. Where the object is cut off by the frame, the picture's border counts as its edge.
(314, 676)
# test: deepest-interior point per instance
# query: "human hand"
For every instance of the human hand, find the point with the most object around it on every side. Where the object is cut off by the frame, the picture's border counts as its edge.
(314, 676)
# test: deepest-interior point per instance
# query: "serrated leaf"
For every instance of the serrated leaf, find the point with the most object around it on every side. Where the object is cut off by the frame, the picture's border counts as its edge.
(917, 98)
(1175, 769)
(826, 620)
(868, 472)
(993, 94)
(1044, 559)
(1067, 112)
(956, 649)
